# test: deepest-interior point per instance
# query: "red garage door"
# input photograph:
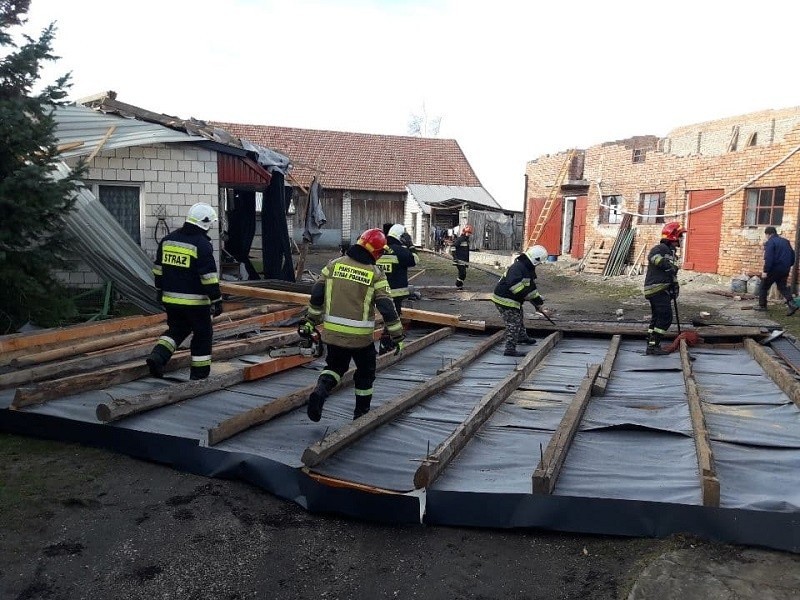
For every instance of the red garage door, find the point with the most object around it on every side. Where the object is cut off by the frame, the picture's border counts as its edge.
(704, 228)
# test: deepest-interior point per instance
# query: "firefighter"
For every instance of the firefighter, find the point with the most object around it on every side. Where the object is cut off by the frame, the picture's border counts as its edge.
(395, 262)
(187, 284)
(343, 301)
(661, 285)
(460, 249)
(518, 285)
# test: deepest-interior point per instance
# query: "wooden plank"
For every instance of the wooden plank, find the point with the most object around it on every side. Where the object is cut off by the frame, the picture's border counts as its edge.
(266, 412)
(705, 457)
(599, 387)
(101, 143)
(73, 384)
(782, 378)
(329, 445)
(21, 341)
(223, 376)
(474, 353)
(298, 298)
(546, 474)
(433, 465)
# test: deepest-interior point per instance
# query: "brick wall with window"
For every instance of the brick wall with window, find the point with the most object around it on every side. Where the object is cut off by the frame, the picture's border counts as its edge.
(141, 183)
(760, 188)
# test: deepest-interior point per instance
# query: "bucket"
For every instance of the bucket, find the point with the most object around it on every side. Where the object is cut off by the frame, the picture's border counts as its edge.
(552, 258)
(754, 285)
(739, 285)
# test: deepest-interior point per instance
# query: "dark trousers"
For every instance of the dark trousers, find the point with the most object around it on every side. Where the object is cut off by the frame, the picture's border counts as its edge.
(779, 279)
(338, 360)
(181, 321)
(462, 274)
(660, 313)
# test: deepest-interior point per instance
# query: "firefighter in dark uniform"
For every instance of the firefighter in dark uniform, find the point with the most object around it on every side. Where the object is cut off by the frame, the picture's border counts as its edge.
(517, 286)
(343, 301)
(395, 262)
(661, 285)
(187, 283)
(461, 254)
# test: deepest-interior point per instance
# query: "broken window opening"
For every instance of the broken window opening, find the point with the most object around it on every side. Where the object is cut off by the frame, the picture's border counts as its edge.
(611, 210)
(651, 206)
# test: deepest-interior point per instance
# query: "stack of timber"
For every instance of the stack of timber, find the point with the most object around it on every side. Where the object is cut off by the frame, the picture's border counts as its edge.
(596, 261)
(621, 248)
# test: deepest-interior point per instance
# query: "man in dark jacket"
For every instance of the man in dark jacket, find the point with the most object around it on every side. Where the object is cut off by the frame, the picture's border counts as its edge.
(395, 262)
(661, 285)
(187, 283)
(778, 261)
(517, 286)
(461, 255)
(343, 300)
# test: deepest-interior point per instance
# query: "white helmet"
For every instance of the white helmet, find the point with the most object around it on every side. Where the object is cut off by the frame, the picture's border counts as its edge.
(396, 231)
(536, 254)
(202, 215)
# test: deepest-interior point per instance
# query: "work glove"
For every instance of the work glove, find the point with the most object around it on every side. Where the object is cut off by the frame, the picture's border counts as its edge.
(216, 307)
(538, 302)
(305, 329)
(674, 289)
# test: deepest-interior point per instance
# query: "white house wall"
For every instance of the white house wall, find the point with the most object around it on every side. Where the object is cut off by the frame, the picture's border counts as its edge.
(173, 175)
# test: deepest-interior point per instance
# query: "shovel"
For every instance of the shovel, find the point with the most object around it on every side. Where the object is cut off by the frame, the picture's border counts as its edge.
(544, 314)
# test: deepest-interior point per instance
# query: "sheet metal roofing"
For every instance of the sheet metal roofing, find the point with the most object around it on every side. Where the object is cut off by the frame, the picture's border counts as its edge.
(86, 129)
(362, 161)
(443, 194)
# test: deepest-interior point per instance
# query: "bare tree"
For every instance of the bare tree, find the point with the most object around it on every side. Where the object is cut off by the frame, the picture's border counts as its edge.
(424, 125)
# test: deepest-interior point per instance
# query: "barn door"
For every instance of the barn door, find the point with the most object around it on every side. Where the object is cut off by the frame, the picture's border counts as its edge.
(579, 227)
(703, 232)
(551, 234)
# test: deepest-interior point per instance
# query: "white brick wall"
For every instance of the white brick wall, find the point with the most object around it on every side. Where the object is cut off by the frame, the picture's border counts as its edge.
(173, 175)
(347, 214)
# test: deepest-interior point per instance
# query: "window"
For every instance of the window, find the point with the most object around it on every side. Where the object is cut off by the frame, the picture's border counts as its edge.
(764, 206)
(123, 203)
(610, 213)
(638, 155)
(652, 206)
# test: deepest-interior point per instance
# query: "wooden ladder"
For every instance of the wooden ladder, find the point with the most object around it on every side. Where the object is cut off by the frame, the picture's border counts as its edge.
(544, 216)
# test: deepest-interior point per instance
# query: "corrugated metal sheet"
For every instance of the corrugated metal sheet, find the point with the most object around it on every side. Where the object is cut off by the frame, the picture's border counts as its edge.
(241, 172)
(80, 131)
(432, 194)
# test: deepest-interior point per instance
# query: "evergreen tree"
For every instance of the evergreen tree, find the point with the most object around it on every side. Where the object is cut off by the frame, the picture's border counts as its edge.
(32, 202)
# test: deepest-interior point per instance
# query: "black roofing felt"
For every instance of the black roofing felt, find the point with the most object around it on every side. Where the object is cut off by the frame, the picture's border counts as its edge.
(631, 469)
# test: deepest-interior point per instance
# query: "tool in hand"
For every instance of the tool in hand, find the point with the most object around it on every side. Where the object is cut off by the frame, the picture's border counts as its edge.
(545, 315)
(310, 344)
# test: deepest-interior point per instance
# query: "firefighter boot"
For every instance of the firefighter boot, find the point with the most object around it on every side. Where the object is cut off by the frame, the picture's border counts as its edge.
(157, 360)
(362, 406)
(325, 384)
(654, 345)
(513, 352)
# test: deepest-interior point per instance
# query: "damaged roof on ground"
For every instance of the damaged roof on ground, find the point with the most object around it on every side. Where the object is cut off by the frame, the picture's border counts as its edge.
(585, 433)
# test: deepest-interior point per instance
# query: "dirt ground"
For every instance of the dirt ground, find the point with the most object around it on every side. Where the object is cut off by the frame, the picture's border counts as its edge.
(77, 522)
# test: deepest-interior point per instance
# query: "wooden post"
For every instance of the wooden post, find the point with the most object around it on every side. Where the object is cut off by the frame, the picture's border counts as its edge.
(433, 465)
(599, 388)
(316, 453)
(705, 456)
(777, 373)
(546, 474)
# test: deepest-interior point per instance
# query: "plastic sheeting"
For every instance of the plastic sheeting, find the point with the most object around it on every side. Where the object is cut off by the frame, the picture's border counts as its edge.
(100, 241)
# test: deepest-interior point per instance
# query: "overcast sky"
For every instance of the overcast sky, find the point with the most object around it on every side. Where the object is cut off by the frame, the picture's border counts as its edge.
(511, 79)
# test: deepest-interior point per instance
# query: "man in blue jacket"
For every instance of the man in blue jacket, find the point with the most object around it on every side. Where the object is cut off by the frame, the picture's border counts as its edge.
(778, 261)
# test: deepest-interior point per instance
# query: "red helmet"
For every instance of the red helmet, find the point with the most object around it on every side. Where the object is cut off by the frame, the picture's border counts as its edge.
(374, 241)
(468, 229)
(672, 231)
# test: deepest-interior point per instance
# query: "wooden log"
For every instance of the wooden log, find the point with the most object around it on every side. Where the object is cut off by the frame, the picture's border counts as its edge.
(135, 350)
(21, 341)
(73, 384)
(474, 353)
(782, 378)
(266, 412)
(709, 481)
(437, 461)
(224, 376)
(329, 445)
(297, 298)
(599, 388)
(545, 476)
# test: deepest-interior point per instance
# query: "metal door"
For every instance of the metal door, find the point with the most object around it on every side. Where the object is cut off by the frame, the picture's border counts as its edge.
(703, 233)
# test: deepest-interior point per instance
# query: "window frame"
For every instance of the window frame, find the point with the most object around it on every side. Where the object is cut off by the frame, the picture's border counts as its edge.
(652, 218)
(638, 155)
(95, 186)
(604, 216)
(752, 213)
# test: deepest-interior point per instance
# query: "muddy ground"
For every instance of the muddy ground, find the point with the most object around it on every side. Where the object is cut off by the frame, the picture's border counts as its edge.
(77, 522)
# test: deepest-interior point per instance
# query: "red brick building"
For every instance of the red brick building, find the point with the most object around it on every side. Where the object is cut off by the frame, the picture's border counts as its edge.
(725, 180)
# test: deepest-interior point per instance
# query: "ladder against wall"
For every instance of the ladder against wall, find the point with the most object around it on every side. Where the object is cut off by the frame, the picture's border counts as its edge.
(547, 208)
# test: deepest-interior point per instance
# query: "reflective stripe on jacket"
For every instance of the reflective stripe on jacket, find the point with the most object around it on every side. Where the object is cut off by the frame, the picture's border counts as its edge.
(662, 268)
(345, 297)
(517, 285)
(395, 263)
(185, 270)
